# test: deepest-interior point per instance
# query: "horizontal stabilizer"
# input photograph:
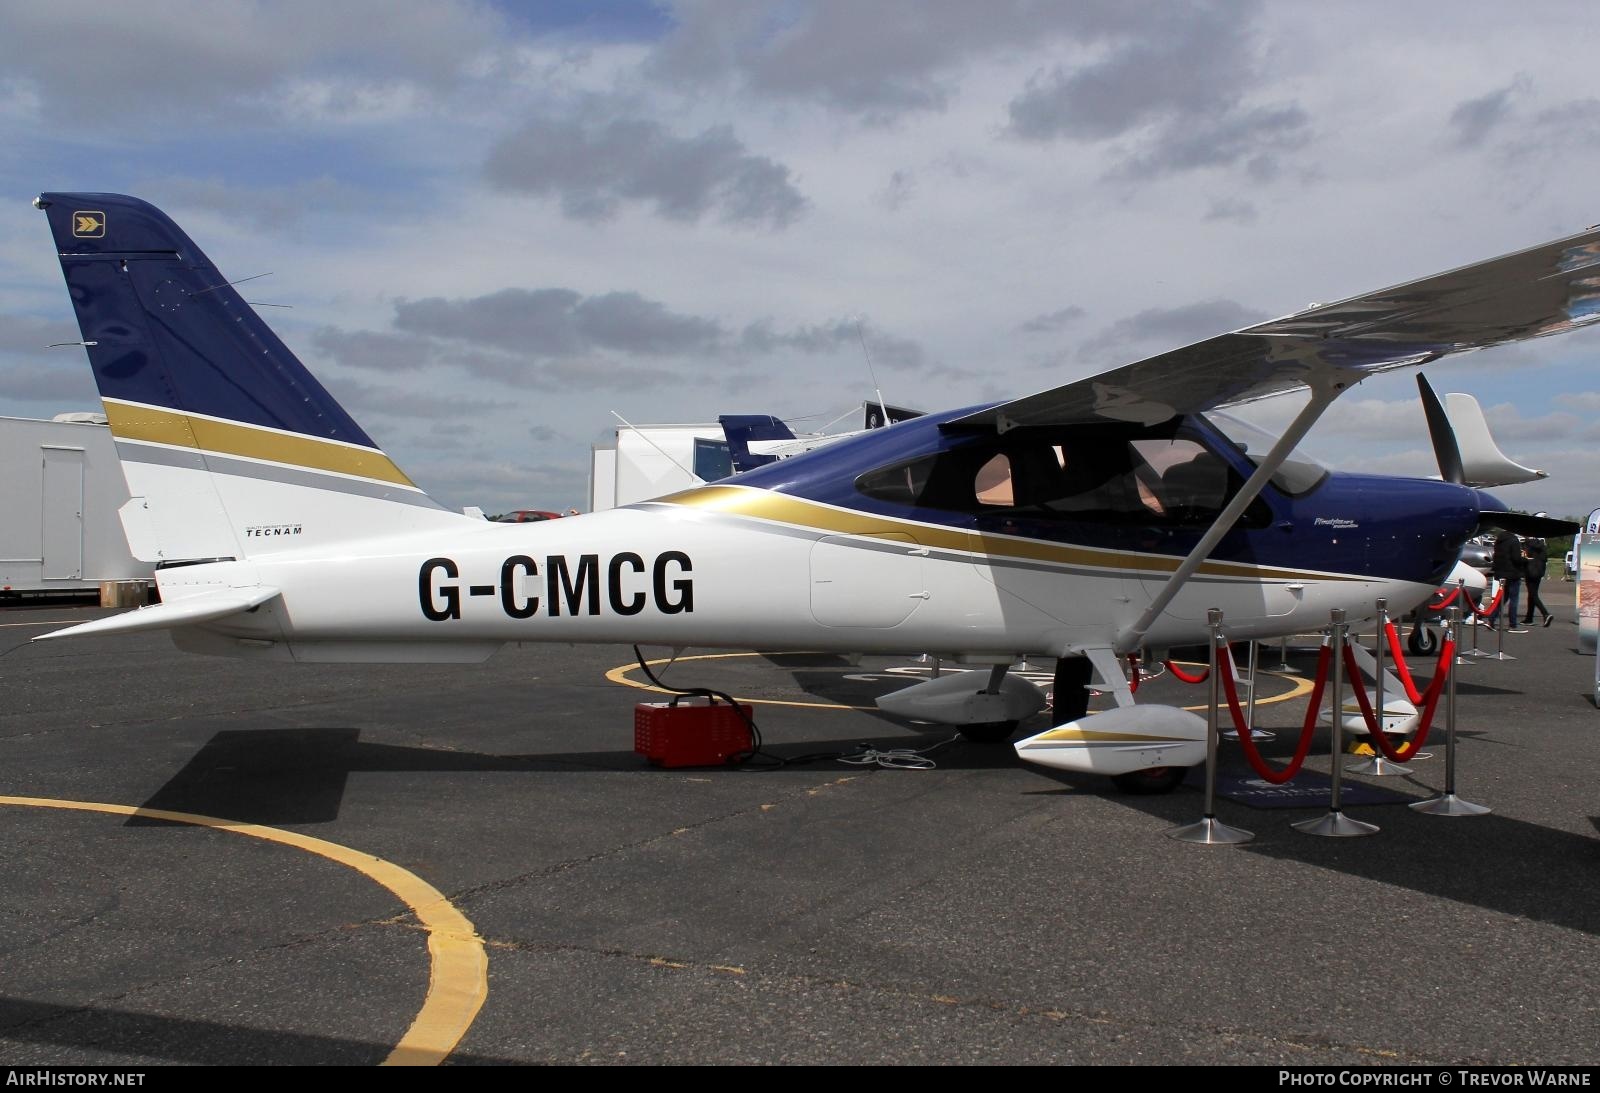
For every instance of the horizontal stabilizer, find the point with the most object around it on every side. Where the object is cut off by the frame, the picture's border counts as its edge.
(164, 616)
(1482, 461)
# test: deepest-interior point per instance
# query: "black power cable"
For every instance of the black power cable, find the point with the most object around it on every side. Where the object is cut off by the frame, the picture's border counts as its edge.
(863, 755)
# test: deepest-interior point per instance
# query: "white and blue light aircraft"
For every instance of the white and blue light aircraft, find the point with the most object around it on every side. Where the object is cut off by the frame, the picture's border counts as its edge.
(1082, 523)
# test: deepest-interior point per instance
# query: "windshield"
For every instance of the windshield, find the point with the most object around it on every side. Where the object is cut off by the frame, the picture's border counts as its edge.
(1299, 474)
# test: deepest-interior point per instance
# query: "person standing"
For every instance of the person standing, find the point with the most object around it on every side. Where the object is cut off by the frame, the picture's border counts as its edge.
(1508, 570)
(1537, 552)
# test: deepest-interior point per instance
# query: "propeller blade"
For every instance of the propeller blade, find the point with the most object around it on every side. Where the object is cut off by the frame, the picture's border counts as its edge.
(1445, 449)
(1540, 527)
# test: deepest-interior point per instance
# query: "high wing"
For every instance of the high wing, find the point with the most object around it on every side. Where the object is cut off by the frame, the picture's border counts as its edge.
(1544, 290)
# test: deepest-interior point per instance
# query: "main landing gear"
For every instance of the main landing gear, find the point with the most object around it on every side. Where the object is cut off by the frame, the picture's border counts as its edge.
(1070, 702)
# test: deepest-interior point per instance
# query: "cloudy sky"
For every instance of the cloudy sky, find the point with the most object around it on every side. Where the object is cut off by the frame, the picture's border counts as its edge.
(494, 224)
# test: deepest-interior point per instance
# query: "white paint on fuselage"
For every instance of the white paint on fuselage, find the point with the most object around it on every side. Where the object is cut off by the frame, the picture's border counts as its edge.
(748, 584)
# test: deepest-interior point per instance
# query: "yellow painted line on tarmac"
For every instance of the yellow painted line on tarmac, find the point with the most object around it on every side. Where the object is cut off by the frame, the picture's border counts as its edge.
(55, 622)
(458, 974)
(1301, 687)
(619, 674)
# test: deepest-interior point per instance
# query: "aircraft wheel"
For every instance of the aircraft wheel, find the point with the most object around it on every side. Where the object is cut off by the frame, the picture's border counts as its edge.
(1422, 641)
(989, 732)
(1150, 781)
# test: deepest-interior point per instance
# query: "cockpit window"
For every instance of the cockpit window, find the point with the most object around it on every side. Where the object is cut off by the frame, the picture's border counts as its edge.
(1299, 474)
(993, 483)
(1113, 474)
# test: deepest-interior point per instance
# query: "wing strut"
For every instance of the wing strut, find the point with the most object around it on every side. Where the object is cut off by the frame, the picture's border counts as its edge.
(1325, 387)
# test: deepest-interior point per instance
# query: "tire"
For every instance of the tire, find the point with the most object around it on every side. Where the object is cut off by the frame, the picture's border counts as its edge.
(989, 732)
(1152, 780)
(1422, 641)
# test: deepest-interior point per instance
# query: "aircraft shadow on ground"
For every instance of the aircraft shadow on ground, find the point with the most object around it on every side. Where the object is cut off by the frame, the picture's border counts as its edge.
(1493, 862)
(298, 776)
(184, 1039)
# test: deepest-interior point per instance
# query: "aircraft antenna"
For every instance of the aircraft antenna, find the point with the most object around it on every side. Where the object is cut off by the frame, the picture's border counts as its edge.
(862, 335)
(229, 284)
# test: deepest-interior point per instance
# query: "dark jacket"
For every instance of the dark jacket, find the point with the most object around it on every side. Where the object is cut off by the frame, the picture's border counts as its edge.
(1538, 555)
(1508, 557)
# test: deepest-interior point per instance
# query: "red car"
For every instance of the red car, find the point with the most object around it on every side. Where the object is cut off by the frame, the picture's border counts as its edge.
(526, 516)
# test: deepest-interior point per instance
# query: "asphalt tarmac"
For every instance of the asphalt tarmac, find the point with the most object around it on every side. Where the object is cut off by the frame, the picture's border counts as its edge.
(983, 911)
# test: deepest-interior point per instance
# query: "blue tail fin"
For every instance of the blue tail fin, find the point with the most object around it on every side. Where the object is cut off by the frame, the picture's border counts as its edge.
(230, 446)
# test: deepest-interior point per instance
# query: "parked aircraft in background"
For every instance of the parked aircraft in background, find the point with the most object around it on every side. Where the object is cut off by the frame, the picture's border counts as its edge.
(1083, 523)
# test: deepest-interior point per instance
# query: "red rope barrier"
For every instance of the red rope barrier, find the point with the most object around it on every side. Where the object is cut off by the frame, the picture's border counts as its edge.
(1185, 677)
(1447, 601)
(1402, 669)
(1430, 700)
(1494, 604)
(1247, 742)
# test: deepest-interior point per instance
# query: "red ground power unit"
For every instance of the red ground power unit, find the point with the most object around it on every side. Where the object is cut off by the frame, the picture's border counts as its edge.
(690, 732)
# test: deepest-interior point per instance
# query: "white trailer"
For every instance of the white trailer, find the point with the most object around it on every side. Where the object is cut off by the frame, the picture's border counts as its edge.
(655, 460)
(60, 489)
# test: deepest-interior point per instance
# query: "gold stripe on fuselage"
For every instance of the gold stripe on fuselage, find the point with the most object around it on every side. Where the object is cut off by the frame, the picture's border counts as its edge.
(764, 504)
(171, 427)
(1066, 735)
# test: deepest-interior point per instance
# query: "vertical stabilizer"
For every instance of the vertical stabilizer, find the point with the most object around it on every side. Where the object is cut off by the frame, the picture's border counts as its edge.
(231, 448)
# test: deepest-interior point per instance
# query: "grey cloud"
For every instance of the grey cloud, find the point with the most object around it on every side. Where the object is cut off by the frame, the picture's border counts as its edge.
(441, 443)
(373, 350)
(1578, 120)
(898, 190)
(742, 383)
(906, 57)
(543, 433)
(1053, 321)
(602, 375)
(1171, 327)
(499, 486)
(270, 207)
(107, 64)
(1583, 401)
(1174, 87)
(828, 337)
(24, 334)
(70, 385)
(594, 166)
(558, 322)
(1506, 423)
(1232, 208)
(555, 339)
(1252, 137)
(367, 399)
(576, 373)
(1474, 119)
(1192, 62)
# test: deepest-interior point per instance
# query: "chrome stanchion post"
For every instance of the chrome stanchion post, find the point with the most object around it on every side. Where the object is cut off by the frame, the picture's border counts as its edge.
(1379, 765)
(1334, 822)
(1209, 830)
(1500, 633)
(1477, 624)
(1447, 803)
(1253, 659)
